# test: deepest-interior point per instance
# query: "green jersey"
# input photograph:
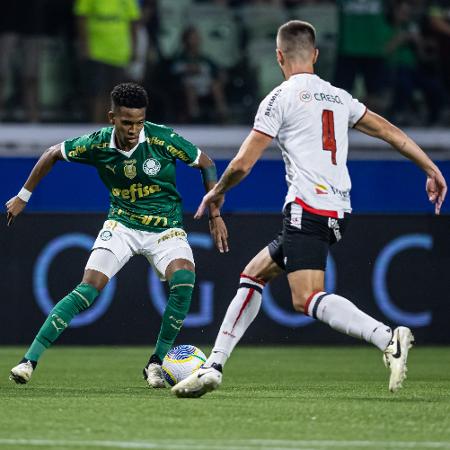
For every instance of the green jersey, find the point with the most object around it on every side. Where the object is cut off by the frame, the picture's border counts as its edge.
(362, 28)
(141, 182)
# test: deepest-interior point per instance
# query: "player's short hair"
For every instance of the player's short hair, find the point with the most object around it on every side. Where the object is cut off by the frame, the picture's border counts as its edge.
(130, 95)
(296, 37)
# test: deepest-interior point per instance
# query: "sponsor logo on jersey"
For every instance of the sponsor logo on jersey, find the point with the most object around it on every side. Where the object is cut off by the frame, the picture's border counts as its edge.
(151, 166)
(271, 102)
(305, 96)
(135, 191)
(180, 154)
(321, 189)
(172, 234)
(129, 168)
(343, 194)
(101, 145)
(105, 235)
(77, 151)
(321, 97)
(155, 140)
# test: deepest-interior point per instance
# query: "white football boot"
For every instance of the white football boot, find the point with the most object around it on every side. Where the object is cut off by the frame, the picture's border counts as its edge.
(205, 379)
(21, 374)
(153, 374)
(396, 355)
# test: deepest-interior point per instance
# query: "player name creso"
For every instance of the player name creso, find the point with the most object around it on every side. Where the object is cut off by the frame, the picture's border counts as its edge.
(135, 191)
(321, 97)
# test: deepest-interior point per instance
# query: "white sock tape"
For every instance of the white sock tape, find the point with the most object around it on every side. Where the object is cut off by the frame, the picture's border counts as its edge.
(24, 194)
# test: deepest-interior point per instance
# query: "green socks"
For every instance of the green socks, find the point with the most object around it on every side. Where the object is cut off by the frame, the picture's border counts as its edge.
(181, 287)
(59, 318)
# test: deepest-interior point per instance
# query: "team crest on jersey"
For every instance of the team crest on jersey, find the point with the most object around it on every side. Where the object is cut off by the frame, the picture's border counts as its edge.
(305, 96)
(105, 235)
(151, 166)
(130, 169)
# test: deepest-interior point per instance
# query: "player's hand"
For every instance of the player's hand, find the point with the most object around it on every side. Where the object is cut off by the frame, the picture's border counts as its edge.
(14, 206)
(211, 198)
(436, 188)
(219, 233)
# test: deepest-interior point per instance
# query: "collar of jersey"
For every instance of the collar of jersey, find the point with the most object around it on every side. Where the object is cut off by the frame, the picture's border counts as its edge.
(112, 143)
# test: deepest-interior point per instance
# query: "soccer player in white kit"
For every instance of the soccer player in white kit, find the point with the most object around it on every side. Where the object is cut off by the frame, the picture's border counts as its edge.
(310, 119)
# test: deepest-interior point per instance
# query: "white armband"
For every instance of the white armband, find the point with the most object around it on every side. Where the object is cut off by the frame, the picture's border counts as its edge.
(24, 194)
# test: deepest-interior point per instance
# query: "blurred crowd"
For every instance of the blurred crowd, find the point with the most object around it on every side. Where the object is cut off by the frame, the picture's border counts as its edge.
(213, 61)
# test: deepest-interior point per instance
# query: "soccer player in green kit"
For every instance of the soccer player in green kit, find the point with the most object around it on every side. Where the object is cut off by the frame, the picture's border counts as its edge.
(136, 160)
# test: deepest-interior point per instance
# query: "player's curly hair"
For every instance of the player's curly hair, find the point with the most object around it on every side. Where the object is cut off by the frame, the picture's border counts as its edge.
(130, 95)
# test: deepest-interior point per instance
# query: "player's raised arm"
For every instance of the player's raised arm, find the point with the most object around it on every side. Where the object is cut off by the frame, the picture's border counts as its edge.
(16, 204)
(375, 125)
(240, 166)
(217, 226)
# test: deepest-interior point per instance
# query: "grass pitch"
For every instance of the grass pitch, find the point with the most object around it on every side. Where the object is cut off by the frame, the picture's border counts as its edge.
(308, 398)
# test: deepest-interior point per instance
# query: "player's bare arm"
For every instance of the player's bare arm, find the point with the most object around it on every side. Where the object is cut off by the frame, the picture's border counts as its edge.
(16, 204)
(240, 166)
(375, 125)
(217, 226)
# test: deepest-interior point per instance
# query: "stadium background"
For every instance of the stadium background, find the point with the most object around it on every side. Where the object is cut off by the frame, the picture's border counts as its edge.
(394, 258)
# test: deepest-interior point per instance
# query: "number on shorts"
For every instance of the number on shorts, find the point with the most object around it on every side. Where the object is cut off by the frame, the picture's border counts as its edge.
(328, 138)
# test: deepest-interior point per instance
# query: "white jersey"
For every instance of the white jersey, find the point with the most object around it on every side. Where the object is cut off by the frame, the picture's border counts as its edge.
(310, 119)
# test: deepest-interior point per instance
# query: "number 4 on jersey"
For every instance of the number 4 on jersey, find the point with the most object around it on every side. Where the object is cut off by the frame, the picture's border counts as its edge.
(328, 138)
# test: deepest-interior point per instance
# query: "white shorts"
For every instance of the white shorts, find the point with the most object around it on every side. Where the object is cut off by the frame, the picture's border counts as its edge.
(160, 249)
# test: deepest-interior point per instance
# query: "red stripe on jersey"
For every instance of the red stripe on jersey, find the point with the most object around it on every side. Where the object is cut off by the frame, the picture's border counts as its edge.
(256, 280)
(262, 132)
(309, 301)
(319, 212)
(244, 305)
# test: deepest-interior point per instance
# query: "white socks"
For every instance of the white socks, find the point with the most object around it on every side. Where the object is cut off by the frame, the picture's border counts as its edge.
(344, 316)
(240, 314)
(334, 310)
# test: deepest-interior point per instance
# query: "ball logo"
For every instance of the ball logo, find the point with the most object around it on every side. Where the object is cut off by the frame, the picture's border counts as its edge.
(151, 166)
(105, 235)
(305, 96)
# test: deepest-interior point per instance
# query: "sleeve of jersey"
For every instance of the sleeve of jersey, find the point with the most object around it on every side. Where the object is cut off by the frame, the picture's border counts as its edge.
(78, 150)
(357, 112)
(268, 119)
(182, 149)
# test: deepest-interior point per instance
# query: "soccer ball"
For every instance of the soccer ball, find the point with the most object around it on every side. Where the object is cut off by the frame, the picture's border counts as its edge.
(180, 362)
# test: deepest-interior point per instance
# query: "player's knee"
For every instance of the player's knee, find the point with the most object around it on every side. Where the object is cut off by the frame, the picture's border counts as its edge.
(96, 279)
(181, 286)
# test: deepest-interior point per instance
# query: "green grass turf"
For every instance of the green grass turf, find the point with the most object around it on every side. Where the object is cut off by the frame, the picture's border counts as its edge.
(271, 397)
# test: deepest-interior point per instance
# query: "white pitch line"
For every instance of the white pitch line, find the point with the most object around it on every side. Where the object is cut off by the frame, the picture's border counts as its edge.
(231, 444)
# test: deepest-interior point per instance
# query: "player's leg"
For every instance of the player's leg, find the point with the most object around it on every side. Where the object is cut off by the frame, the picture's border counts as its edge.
(171, 256)
(110, 253)
(309, 297)
(306, 247)
(240, 314)
(245, 305)
(59, 318)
